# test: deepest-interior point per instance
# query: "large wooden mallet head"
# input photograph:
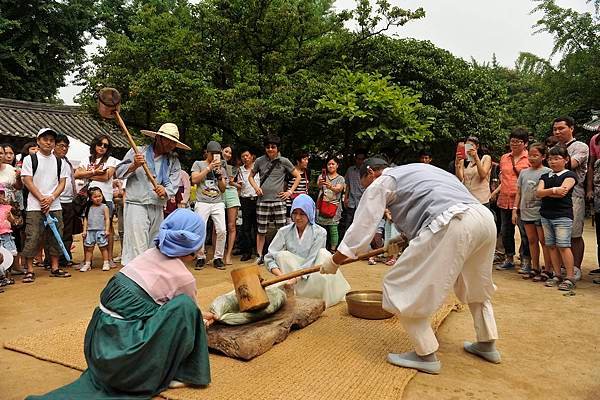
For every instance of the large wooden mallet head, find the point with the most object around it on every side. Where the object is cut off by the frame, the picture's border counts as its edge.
(109, 102)
(249, 289)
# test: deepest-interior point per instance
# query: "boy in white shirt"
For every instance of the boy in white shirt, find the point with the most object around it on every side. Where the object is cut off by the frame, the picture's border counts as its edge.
(44, 177)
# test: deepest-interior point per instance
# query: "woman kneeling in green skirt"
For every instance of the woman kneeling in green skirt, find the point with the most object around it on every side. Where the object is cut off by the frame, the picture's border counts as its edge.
(148, 334)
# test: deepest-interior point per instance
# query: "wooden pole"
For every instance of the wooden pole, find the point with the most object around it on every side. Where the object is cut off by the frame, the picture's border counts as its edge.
(317, 268)
(135, 149)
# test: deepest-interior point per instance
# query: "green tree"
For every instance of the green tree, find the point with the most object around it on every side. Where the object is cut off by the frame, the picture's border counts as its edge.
(569, 86)
(40, 42)
(464, 98)
(230, 69)
(369, 106)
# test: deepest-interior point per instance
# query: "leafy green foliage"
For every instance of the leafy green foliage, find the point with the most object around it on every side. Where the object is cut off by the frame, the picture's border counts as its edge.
(570, 87)
(369, 106)
(40, 42)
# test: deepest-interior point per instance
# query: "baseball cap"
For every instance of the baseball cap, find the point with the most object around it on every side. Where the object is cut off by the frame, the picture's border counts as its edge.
(373, 163)
(47, 131)
(213, 147)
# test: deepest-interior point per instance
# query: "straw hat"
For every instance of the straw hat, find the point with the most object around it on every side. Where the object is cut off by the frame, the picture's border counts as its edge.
(169, 131)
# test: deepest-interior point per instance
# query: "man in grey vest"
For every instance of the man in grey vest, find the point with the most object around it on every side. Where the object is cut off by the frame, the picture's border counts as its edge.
(452, 241)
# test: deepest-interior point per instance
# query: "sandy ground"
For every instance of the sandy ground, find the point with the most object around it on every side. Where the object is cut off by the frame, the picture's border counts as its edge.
(549, 342)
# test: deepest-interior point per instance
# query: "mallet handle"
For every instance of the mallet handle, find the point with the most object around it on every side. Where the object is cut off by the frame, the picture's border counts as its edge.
(135, 149)
(316, 268)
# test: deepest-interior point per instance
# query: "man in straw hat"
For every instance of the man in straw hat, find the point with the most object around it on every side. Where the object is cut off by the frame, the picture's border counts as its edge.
(452, 240)
(144, 206)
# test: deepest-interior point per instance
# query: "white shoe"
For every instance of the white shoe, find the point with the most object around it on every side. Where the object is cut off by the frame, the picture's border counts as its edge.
(106, 266)
(117, 259)
(577, 274)
(176, 384)
(85, 267)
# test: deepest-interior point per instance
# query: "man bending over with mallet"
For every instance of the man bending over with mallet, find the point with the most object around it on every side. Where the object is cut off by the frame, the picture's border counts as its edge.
(452, 240)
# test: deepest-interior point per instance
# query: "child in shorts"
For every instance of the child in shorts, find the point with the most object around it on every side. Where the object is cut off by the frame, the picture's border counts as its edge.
(6, 239)
(555, 189)
(6, 220)
(95, 229)
(527, 207)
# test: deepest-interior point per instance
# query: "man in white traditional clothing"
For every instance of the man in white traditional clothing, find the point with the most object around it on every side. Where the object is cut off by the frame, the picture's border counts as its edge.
(452, 240)
(301, 244)
(144, 205)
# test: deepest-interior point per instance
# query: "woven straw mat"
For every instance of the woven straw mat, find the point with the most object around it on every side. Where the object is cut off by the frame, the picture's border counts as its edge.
(337, 357)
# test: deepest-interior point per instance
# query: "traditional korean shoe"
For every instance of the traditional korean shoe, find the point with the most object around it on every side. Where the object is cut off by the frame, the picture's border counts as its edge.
(413, 361)
(491, 356)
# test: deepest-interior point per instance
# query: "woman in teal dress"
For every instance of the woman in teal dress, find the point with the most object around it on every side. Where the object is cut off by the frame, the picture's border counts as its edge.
(148, 334)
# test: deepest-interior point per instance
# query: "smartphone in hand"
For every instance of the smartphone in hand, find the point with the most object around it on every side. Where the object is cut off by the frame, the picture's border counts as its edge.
(461, 151)
(468, 147)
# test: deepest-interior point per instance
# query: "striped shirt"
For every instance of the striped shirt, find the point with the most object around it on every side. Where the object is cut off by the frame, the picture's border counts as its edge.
(301, 189)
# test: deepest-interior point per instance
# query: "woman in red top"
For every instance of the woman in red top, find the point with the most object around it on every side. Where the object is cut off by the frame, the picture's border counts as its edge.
(511, 165)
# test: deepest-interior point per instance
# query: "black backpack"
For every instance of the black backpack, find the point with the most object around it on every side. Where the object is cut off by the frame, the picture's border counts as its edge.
(34, 166)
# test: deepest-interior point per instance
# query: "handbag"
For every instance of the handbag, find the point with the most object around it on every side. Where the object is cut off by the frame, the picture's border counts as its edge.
(80, 200)
(327, 209)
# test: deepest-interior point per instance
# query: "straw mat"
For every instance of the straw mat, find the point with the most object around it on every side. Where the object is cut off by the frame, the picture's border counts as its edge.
(338, 356)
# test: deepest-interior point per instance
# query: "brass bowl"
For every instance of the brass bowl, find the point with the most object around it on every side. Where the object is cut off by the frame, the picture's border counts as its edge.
(366, 304)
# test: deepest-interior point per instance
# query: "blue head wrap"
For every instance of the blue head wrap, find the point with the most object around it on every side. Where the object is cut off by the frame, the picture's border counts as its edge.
(306, 204)
(181, 233)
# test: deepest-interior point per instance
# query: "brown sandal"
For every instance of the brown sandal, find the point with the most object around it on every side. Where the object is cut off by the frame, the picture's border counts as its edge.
(59, 273)
(29, 277)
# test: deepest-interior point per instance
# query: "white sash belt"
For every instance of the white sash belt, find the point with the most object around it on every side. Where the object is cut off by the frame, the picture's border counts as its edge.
(109, 312)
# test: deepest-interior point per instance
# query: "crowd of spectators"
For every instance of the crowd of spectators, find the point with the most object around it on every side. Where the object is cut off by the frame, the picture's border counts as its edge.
(538, 188)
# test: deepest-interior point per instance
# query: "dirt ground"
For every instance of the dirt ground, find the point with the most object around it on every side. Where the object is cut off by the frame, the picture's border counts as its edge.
(549, 342)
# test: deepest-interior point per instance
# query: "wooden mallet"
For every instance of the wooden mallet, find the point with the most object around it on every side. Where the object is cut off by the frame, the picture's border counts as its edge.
(109, 104)
(250, 287)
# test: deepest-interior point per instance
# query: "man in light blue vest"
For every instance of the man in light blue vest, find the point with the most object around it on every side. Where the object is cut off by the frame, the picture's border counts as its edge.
(452, 241)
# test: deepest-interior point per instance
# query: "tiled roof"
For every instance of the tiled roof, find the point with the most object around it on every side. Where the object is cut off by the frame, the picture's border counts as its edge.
(24, 119)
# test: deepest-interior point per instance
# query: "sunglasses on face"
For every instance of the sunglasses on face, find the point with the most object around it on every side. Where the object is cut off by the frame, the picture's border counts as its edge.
(103, 145)
(271, 146)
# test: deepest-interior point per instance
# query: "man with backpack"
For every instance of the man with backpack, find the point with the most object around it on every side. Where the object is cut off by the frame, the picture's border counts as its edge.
(72, 224)
(44, 177)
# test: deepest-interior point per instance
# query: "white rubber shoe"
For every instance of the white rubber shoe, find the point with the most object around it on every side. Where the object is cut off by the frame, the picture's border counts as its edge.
(410, 360)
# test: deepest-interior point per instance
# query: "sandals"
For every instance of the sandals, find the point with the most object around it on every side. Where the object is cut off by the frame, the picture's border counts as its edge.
(391, 261)
(543, 276)
(552, 282)
(6, 281)
(532, 274)
(372, 261)
(29, 277)
(566, 285)
(59, 273)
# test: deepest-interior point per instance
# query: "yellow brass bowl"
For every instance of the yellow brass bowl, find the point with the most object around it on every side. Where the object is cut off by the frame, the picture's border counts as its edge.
(366, 304)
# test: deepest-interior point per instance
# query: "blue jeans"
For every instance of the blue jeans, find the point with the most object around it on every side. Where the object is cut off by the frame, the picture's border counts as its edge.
(557, 232)
(508, 235)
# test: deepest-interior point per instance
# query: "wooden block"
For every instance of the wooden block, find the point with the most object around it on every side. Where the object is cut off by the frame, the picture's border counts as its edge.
(250, 340)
